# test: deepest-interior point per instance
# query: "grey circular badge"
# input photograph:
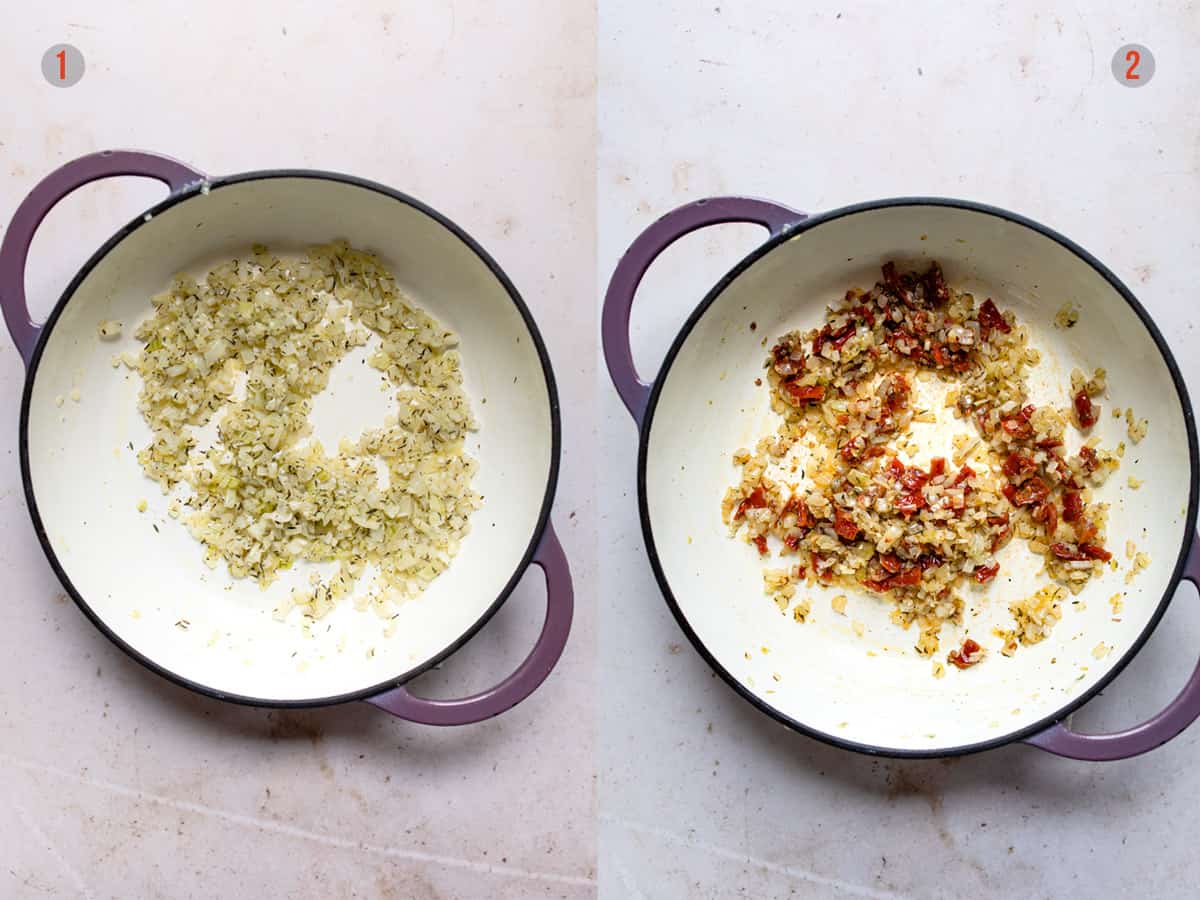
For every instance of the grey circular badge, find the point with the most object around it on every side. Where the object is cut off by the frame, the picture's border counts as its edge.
(1133, 65)
(62, 65)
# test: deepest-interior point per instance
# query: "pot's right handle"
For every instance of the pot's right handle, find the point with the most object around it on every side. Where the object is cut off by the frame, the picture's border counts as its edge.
(560, 604)
(33, 209)
(618, 301)
(1154, 732)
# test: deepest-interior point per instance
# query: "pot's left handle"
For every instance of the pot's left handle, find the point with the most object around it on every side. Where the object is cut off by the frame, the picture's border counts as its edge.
(618, 300)
(560, 603)
(1154, 732)
(14, 250)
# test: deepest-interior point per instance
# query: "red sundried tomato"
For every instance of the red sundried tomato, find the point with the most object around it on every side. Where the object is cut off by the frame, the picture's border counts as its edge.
(866, 314)
(1032, 491)
(890, 276)
(804, 394)
(906, 577)
(852, 451)
(914, 478)
(804, 516)
(963, 474)
(1001, 537)
(1088, 457)
(990, 317)
(1017, 427)
(844, 525)
(1019, 466)
(1047, 514)
(890, 562)
(969, 654)
(1085, 529)
(895, 467)
(1085, 410)
(936, 290)
(937, 466)
(1072, 505)
(984, 574)
(1066, 551)
(1091, 551)
(838, 340)
(756, 500)
(928, 561)
(761, 543)
(910, 503)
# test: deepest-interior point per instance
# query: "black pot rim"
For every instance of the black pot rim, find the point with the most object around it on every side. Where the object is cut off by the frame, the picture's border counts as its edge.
(213, 184)
(754, 256)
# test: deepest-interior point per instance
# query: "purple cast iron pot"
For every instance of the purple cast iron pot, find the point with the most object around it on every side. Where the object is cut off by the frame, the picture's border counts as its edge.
(137, 584)
(872, 693)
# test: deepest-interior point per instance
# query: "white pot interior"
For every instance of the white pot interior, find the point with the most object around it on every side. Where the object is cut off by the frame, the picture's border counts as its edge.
(86, 482)
(875, 689)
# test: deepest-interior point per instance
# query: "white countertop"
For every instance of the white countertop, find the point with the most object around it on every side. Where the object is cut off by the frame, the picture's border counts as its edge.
(117, 784)
(819, 105)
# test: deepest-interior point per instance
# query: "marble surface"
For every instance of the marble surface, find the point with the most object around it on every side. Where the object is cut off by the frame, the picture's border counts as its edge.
(116, 784)
(819, 105)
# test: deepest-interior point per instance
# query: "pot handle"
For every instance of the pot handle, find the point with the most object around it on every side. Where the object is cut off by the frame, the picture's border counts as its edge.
(560, 599)
(14, 250)
(1154, 732)
(618, 301)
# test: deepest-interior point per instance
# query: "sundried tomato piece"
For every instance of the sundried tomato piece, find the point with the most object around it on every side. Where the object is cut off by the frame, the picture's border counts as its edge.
(803, 393)
(1085, 529)
(937, 292)
(1066, 551)
(966, 656)
(914, 478)
(1072, 505)
(906, 577)
(1091, 551)
(890, 562)
(1033, 491)
(910, 503)
(866, 314)
(1088, 457)
(1017, 427)
(852, 450)
(1019, 466)
(937, 467)
(761, 543)
(838, 340)
(1047, 514)
(1085, 410)
(804, 516)
(756, 500)
(844, 525)
(984, 574)
(990, 317)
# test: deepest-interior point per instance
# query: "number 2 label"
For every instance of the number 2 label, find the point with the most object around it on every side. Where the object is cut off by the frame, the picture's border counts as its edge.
(1133, 58)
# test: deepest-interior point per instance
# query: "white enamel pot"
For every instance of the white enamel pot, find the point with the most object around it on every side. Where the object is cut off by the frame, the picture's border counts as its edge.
(138, 576)
(873, 693)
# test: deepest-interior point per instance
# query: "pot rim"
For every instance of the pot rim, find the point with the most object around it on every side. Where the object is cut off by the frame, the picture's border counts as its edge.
(815, 221)
(213, 183)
